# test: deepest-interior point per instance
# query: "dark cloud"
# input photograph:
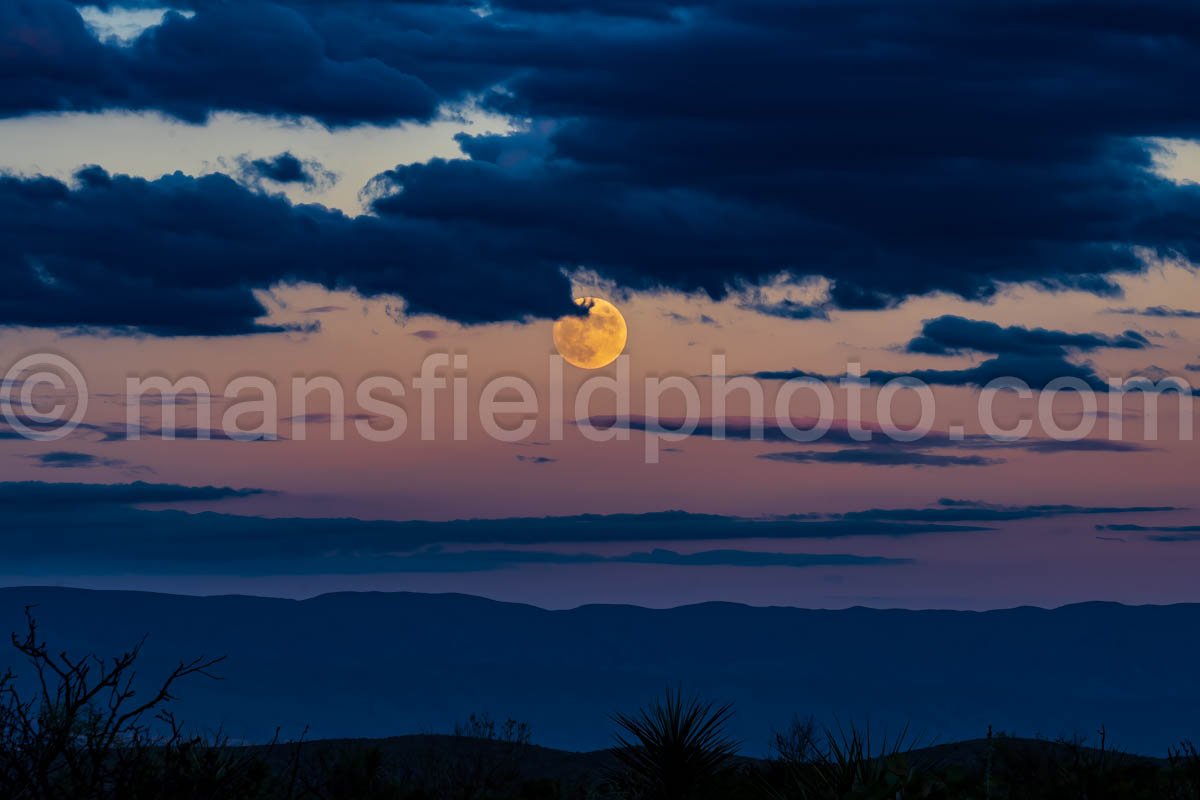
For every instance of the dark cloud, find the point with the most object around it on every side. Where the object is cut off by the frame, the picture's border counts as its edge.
(747, 429)
(1158, 311)
(536, 459)
(697, 147)
(1036, 371)
(140, 554)
(66, 459)
(953, 335)
(439, 560)
(788, 309)
(54, 498)
(1170, 528)
(770, 430)
(739, 141)
(1159, 533)
(950, 510)
(182, 256)
(749, 558)
(880, 457)
(1036, 356)
(684, 319)
(324, 418)
(96, 531)
(79, 513)
(121, 432)
(1049, 446)
(259, 57)
(1192, 367)
(283, 169)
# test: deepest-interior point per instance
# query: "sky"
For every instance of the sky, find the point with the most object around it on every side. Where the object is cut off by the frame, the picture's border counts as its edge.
(272, 191)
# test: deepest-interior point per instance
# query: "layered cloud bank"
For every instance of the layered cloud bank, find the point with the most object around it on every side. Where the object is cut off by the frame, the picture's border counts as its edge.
(98, 529)
(893, 150)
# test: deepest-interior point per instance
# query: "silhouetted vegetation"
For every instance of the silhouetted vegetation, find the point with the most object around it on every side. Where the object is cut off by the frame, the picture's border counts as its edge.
(86, 728)
(674, 750)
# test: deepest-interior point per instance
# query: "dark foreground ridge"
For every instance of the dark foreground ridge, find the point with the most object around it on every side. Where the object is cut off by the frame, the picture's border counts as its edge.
(997, 767)
(379, 665)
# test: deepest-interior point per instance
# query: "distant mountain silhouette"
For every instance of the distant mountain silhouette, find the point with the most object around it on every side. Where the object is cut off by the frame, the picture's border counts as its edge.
(376, 665)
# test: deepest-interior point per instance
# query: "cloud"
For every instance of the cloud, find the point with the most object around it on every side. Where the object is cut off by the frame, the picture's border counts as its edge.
(438, 560)
(536, 459)
(1035, 356)
(121, 25)
(881, 458)
(772, 430)
(91, 254)
(54, 498)
(752, 429)
(1159, 533)
(1158, 311)
(667, 167)
(750, 558)
(89, 520)
(262, 57)
(696, 148)
(121, 432)
(951, 510)
(1171, 528)
(284, 169)
(954, 335)
(96, 530)
(788, 309)
(684, 319)
(1049, 446)
(1036, 371)
(65, 459)
(324, 417)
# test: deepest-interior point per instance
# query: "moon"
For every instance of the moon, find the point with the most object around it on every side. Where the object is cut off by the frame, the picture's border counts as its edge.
(593, 341)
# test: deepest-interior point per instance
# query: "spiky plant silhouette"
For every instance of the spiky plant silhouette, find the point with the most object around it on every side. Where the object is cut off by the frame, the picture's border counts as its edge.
(850, 762)
(673, 749)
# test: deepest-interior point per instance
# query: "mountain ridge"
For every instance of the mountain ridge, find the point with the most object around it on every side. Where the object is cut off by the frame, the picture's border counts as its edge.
(379, 664)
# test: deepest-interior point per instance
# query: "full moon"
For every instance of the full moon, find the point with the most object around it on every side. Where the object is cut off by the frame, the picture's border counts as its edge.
(593, 341)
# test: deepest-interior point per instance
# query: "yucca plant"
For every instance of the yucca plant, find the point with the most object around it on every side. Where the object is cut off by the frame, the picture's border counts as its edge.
(673, 749)
(852, 764)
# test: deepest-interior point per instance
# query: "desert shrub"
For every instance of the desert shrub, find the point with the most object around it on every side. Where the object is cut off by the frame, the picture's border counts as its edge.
(482, 760)
(674, 749)
(84, 730)
(847, 762)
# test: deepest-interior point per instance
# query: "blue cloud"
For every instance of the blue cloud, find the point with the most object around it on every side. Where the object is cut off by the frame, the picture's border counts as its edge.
(702, 147)
(283, 169)
(881, 457)
(954, 335)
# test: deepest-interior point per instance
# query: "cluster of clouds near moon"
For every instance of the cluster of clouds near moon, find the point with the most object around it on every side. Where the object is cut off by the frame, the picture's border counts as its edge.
(699, 146)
